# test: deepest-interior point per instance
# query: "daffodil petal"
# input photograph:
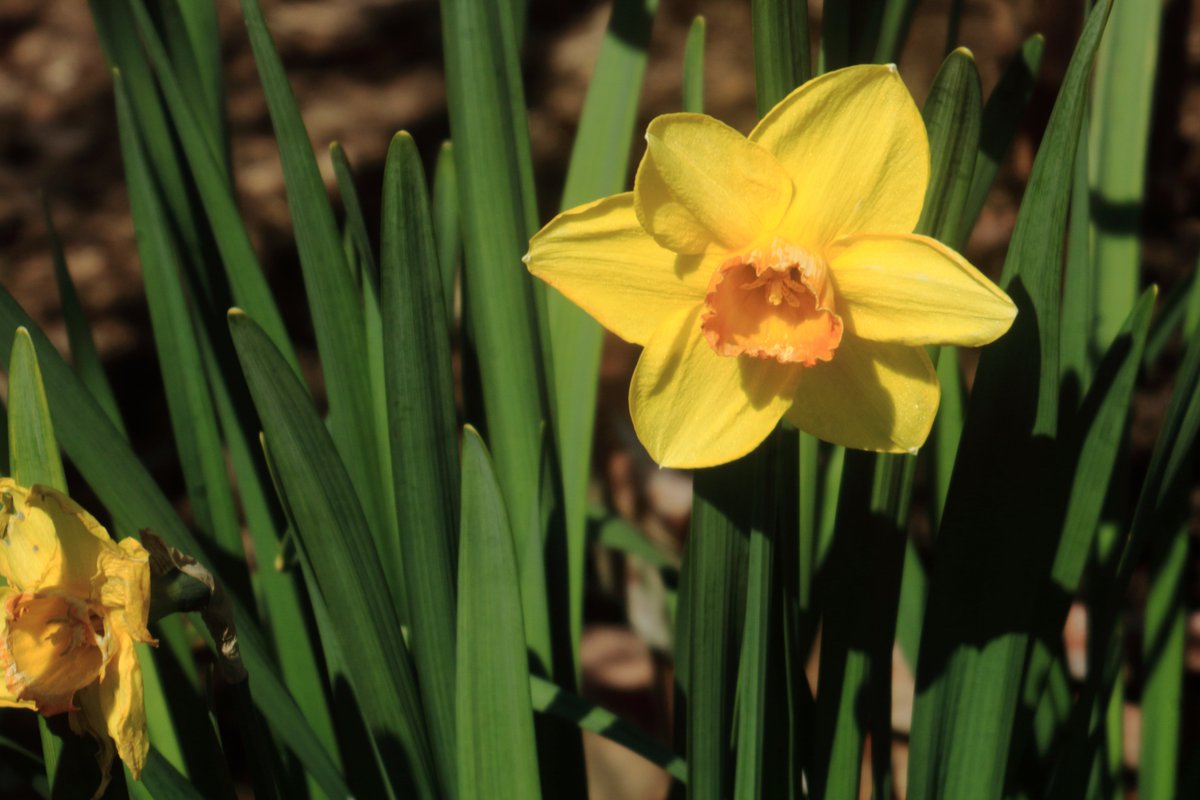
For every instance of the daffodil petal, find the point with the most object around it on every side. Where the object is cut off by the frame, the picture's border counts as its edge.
(8, 698)
(694, 408)
(48, 540)
(914, 290)
(29, 547)
(122, 704)
(599, 257)
(701, 182)
(871, 396)
(855, 145)
(50, 649)
(123, 586)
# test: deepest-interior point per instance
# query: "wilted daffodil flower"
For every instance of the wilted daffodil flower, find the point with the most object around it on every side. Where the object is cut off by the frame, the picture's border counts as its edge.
(75, 604)
(776, 275)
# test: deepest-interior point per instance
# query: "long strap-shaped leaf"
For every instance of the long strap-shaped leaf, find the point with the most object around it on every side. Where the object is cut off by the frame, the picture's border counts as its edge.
(212, 183)
(336, 310)
(334, 533)
(598, 167)
(424, 435)
(1096, 439)
(193, 418)
(83, 347)
(550, 699)
(1001, 514)
(120, 480)
(714, 608)
(34, 458)
(1126, 67)
(491, 148)
(497, 751)
(1001, 118)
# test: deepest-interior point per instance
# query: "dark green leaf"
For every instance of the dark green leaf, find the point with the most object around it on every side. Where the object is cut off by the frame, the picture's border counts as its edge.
(715, 568)
(781, 49)
(83, 348)
(496, 203)
(103, 458)
(497, 754)
(693, 67)
(1001, 515)
(1001, 119)
(193, 420)
(550, 699)
(346, 566)
(423, 434)
(336, 308)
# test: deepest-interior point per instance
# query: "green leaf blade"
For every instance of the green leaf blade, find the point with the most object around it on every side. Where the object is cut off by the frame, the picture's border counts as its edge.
(497, 753)
(323, 499)
(424, 436)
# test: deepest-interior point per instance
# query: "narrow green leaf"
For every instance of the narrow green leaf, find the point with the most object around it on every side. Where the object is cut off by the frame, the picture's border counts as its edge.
(129, 493)
(336, 310)
(1124, 95)
(715, 566)
(1163, 643)
(893, 30)
(1175, 313)
(947, 429)
(364, 769)
(347, 568)
(160, 779)
(356, 223)
(759, 731)
(123, 51)
(497, 754)
(447, 228)
(1105, 413)
(615, 533)
(212, 182)
(598, 167)
(193, 420)
(1078, 284)
(203, 30)
(178, 42)
(79, 334)
(1001, 119)
(553, 700)
(1191, 322)
(32, 447)
(781, 49)
(952, 114)
(860, 596)
(34, 458)
(693, 67)
(492, 162)
(423, 435)
(1001, 513)
(1095, 441)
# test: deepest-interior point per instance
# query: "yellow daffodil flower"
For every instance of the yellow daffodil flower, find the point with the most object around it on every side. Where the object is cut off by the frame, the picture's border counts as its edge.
(776, 275)
(75, 604)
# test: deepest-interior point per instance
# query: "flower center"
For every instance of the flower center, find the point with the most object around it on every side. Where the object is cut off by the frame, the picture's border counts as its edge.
(54, 647)
(773, 302)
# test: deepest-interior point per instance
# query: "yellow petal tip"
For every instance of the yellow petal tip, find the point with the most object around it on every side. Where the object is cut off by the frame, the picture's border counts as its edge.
(525, 259)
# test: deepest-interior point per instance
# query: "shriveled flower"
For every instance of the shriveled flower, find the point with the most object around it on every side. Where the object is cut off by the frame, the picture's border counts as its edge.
(75, 605)
(777, 276)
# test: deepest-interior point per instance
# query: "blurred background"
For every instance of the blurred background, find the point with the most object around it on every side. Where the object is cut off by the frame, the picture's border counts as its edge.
(363, 69)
